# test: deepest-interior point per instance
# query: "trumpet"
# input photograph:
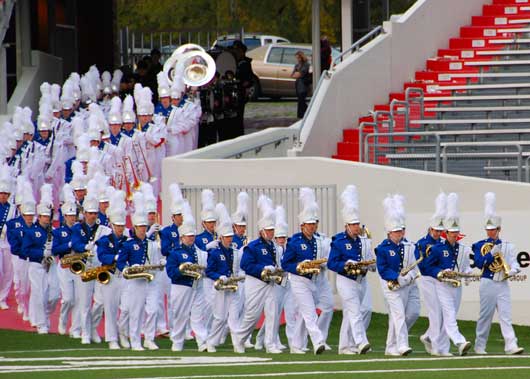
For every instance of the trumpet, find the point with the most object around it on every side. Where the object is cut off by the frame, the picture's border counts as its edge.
(310, 267)
(230, 285)
(75, 262)
(191, 269)
(275, 275)
(101, 274)
(141, 272)
(359, 267)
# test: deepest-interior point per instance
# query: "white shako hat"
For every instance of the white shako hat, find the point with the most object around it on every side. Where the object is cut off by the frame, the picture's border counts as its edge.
(128, 115)
(491, 220)
(437, 219)
(266, 211)
(163, 85)
(392, 218)
(139, 217)
(188, 226)
(309, 207)
(177, 201)
(224, 224)
(452, 217)
(399, 203)
(115, 111)
(27, 206)
(350, 205)
(46, 200)
(69, 207)
(281, 228)
(240, 216)
(149, 197)
(208, 206)
(117, 210)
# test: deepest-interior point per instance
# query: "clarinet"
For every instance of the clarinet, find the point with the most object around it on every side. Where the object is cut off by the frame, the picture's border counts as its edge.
(48, 261)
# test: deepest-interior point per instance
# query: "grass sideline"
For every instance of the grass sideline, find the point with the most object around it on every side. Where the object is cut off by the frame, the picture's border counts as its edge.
(50, 357)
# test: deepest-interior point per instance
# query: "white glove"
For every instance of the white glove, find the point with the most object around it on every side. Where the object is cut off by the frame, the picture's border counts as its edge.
(135, 265)
(116, 258)
(89, 246)
(48, 245)
(270, 268)
(162, 261)
(403, 280)
(153, 229)
(223, 278)
(351, 261)
(70, 244)
(306, 260)
(212, 245)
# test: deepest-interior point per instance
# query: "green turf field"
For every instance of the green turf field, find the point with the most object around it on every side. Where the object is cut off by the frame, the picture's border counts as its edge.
(28, 355)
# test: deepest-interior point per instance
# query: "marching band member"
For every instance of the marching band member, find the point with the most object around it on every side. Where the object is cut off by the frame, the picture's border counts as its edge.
(37, 246)
(208, 219)
(258, 257)
(128, 116)
(62, 245)
(176, 120)
(108, 249)
(163, 108)
(498, 260)
(222, 267)
(7, 213)
(136, 252)
(187, 299)
(347, 250)
(427, 283)
(446, 257)
(393, 255)
(84, 237)
(169, 235)
(304, 248)
(239, 217)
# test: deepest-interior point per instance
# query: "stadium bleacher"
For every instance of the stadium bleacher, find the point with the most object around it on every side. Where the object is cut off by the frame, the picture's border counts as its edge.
(473, 93)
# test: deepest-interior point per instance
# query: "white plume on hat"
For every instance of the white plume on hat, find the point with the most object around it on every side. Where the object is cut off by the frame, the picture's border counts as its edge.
(188, 226)
(492, 220)
(224, 223)
(437, 219)
(392, 217)
(452, 217)
(399, 203)
(28, 202)
(240, 216)
(22, 182)
(144, 101)
(177, 87)
(88, 89)
(67, 95)
(105, 81)
(163, 84)
(128, 115)
(177, 201)
(6, 179)
(116, 80)
(91, 203)
(117, 211)
(208, 206)
(46, 200)
(69, 207)
(55, 94)
(281, 228)
(78, 176)
(115, 111)
(350, 205)
(44, 121)
(139, 217)
(308, 205)
(266, 211)
(149, 197)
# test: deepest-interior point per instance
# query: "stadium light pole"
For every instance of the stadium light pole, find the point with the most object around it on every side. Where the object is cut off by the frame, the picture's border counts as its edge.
(315, 37)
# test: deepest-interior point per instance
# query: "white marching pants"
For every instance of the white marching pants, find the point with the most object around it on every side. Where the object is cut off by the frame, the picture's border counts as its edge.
(427, 286)
(152, 302)
(123, 319)
(98, 306)
(39, 292)
(412, 311)
(85, 292)
(225, 309)
(22, 284)
(6, 272)
(495, 295)
(165, 295)
(449, 298)
(111, 294)
(352, 293)
(188, 306)
(259, 296)
(397, 339)
(136, 294)
(69, 300)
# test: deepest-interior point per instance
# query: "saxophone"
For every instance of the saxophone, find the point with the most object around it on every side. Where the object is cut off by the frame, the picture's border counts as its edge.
(141, 272)
(393, 285)
(191, 269)
(359, 267)
(275, 275)
(101, 274)
(75, 262)
(230, 285)
(310, 267)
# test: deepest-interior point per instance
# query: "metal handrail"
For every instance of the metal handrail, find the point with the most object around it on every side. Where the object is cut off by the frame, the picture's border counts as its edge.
(357, 45)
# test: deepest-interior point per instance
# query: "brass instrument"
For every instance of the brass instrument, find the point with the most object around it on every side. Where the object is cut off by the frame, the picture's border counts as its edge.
(310, 267)
(230, 285)
(486, 248)
(275, 275)
(406, 270)
(101, 274)
(449, 277)
(499, 264)
(365, 232)
(393, 285)
(152, 178)
(136, 181)
(192, 63)
(191, 269)
(358, 268)
(75, 262)
(141, 272)
(128, 191)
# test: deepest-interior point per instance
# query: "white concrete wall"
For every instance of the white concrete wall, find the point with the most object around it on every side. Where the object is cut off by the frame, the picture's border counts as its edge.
(44, 68)
(383, 66)
(374, 183)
